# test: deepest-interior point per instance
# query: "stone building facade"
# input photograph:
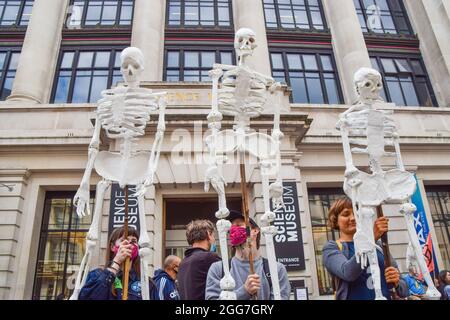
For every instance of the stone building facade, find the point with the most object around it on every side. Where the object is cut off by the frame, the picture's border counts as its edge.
(58, 54)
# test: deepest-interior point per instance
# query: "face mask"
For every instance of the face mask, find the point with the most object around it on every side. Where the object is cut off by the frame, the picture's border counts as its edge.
(134, 251)
(213, 247)
(238, 235)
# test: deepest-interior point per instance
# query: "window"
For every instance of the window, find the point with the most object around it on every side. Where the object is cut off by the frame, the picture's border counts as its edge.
(195, 13)
(82, 75)
(311, 76)
(320, 201)
(186, 65)
(15, 12)
(383, 16)
(8, 66)
(439, 200)
(88, 13)
(405, 81)
(294, 14)
(61, 246)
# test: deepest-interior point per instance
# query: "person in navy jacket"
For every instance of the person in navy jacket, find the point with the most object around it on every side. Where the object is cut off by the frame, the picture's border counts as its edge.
(166, 288)
(106, 283)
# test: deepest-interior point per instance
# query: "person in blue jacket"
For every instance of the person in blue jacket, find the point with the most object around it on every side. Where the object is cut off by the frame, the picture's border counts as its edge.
(106, 283)
(351, 281)
(166, 288)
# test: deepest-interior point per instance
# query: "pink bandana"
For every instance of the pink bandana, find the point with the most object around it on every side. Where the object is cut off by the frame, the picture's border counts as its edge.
(238, 235)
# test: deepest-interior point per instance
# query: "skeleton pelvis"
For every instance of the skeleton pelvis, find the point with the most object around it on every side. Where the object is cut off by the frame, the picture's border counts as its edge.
(259, 145)
(394, 186)
(126, 171)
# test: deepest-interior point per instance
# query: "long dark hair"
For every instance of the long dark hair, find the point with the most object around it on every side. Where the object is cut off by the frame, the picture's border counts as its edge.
(115, 235)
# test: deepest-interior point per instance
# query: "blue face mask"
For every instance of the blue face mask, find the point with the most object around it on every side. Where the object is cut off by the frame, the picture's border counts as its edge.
(213, 248)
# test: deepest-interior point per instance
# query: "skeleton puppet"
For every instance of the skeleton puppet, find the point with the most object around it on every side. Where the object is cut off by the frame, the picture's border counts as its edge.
(367, 130)
(123, 113)
(243, 94)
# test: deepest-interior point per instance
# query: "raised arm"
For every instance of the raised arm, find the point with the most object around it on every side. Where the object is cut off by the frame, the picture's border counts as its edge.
(81, 199)
(156, 148)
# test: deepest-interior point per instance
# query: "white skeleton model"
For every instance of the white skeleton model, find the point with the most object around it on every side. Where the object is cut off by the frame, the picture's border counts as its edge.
(123, 113)
(243, 94)
(366, 130)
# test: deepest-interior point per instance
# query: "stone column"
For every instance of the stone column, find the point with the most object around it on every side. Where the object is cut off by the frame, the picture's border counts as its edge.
(250, 14)
(13, 183)
(349, 46)
(148, 35)
(37, 63)
(431, 21)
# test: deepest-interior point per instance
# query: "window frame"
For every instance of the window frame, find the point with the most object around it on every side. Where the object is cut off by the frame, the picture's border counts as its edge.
(183, 25)
(19, 18)
(334, 234)
(44, 233)
(394, 17)
(103, 26)
(113, 50)
(9, 53)
(297, 29)
(442, 215)
(382, 55)
(316, 53)
(182, 49)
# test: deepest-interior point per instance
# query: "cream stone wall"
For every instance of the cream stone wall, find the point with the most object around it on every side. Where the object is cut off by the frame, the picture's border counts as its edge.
(43, 147)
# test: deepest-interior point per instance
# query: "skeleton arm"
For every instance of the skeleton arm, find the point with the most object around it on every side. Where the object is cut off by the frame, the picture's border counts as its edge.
(276, 188)
(342, 125)
(81, 199)
(156, 148)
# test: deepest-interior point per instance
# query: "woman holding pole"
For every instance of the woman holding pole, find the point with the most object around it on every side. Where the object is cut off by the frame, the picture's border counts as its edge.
(350, 280)
(107, 283)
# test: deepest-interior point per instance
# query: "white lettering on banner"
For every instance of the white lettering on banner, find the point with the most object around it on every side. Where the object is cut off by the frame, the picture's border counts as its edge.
(285, 219)
(118, 209)
(418, 226)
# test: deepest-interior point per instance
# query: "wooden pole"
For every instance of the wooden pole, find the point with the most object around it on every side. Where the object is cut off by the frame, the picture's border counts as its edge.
(387, 254)
(126, 268)
(246, 216)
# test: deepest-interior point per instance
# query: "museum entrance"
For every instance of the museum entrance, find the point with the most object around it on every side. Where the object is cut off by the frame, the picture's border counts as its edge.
(180, 211)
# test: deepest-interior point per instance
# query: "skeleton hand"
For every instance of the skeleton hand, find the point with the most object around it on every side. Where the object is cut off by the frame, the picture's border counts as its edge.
(213, 177)
(81, 200)
(276, 193)
(142, 189)
(363, 248)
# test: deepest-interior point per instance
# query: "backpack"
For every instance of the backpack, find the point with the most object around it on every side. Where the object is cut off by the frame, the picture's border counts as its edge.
(152, 288)
(266, 271)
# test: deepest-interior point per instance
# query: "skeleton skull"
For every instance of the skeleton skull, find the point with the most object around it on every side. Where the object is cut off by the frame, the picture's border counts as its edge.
(132, 64)
(368, 84)
(244, 42)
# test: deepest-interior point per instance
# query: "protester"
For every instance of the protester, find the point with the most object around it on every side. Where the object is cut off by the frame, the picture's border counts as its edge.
(166, 288)
(444, 284)
(106, 283)
(194, 267)
(351, 281)
(247, 285)
(417, 287)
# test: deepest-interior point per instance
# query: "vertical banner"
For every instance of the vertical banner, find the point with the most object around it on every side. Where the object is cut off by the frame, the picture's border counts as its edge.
(288, 242)
(117, 208)
(423, 231)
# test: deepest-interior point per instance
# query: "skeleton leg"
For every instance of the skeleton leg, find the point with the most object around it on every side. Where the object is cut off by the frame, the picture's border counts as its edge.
(376, 275)
(269, 232)
(91, 239)
(144, 250)
(365, 247)
(408, 209)
(227, 283)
